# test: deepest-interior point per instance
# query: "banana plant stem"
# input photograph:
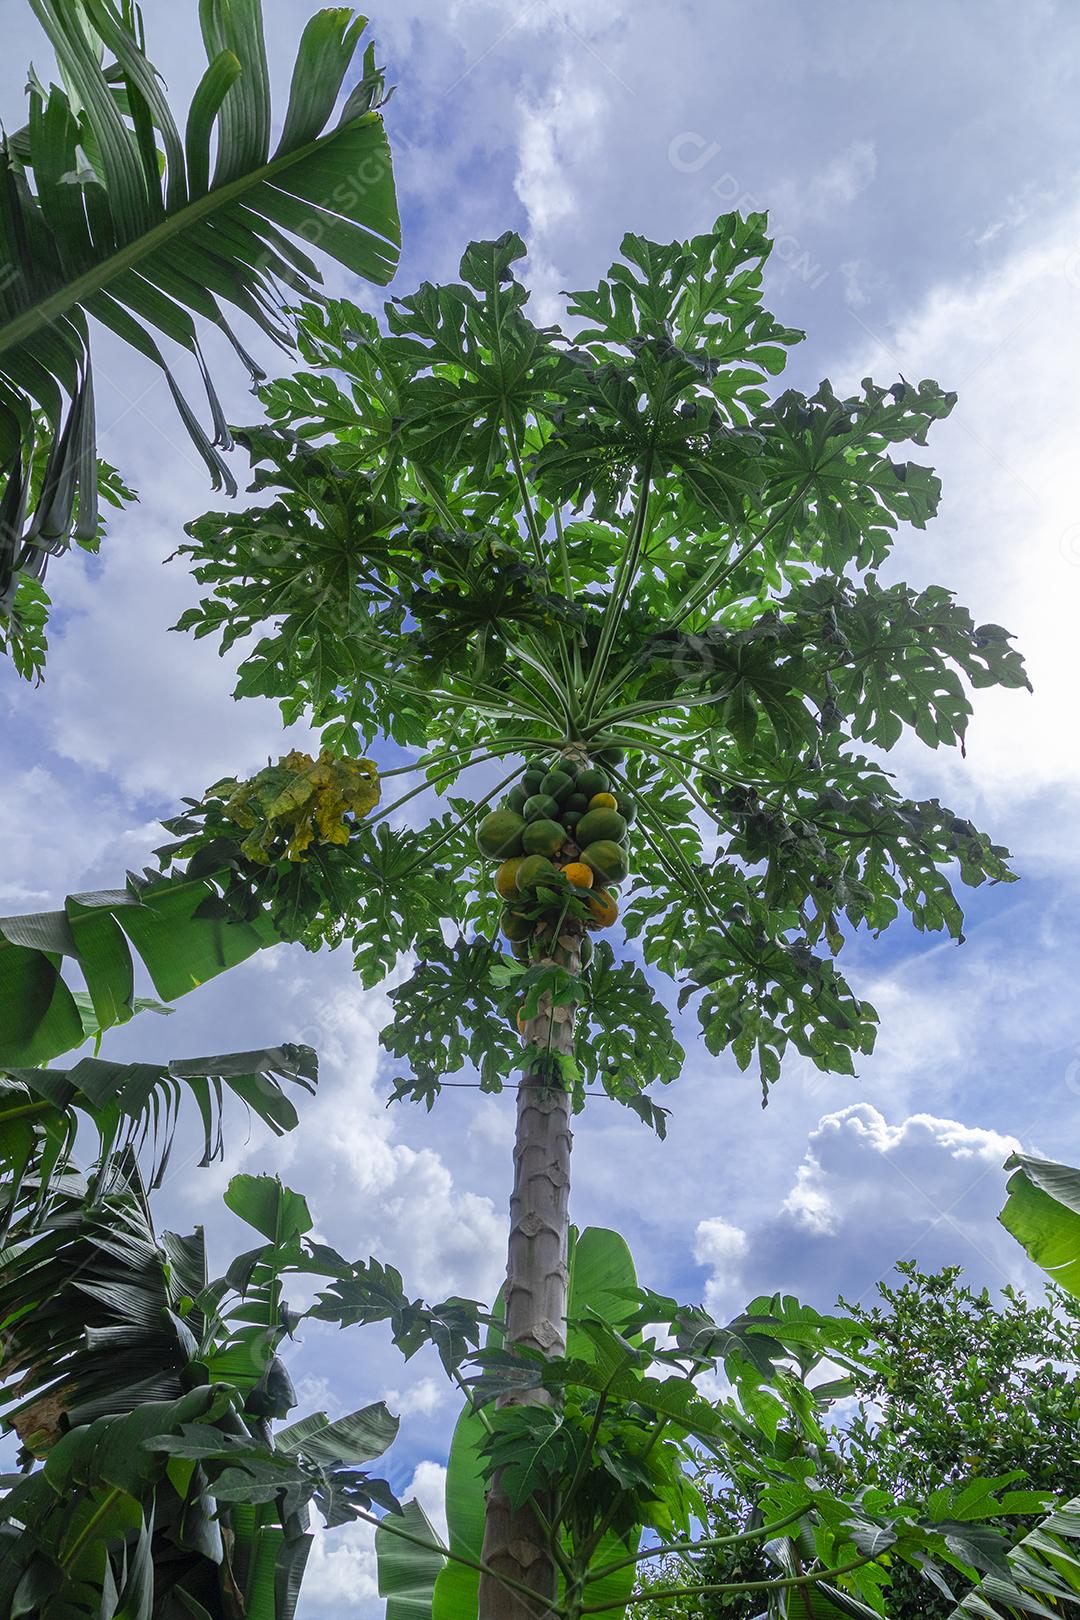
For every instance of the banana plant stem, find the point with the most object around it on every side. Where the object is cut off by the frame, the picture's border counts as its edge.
(67, 1557)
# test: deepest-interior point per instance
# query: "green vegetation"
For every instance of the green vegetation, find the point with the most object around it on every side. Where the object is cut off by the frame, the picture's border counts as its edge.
(634, 582)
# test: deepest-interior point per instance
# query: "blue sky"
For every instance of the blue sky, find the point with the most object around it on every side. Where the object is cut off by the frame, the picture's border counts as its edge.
(921, 164)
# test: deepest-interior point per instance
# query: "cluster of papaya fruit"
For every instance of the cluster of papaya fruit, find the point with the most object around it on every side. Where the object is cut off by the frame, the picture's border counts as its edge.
(560, 835)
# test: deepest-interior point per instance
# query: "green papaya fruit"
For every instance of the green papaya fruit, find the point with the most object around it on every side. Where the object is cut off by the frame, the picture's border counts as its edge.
(499, 834)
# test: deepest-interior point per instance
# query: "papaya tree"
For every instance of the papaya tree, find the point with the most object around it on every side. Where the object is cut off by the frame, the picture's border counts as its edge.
(109, 215)
(635, 587)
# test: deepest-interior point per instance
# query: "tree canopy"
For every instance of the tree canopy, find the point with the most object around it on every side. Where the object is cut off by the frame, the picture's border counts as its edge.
(950, 1384)
(486, 540)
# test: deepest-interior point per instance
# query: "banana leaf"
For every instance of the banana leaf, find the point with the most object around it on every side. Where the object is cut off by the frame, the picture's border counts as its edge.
(109, 213)
(128, 1105)
(41, 1012)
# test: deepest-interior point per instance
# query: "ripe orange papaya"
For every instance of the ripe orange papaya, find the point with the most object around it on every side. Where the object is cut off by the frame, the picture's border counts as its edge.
(602, 909)
(506, 878)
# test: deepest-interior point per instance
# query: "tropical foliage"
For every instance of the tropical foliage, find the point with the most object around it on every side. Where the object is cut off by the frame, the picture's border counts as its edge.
(292, 824)
(128, 1105)
(713, 612)
(623, 1444)
(622, 567)
(621, 564)
(1043, 1572)
(951, 1387)
(108, 213)
(149, 1393)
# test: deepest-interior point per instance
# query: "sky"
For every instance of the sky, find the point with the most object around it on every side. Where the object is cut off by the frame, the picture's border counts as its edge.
(922, 168)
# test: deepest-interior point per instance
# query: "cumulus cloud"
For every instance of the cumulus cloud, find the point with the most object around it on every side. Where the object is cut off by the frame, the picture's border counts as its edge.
(341, 1575)
(849, 1149)
(555, 131)
(342, 1570)
(1007, 538)
(125, 698)
(429, 1488)
(371, 1191)
(722, 1247)
(828, 189)
(421, 1398)
(870, 1192)
(56, 841)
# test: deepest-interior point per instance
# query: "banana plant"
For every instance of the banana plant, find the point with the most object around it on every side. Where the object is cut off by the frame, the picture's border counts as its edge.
(109, 214)
(1041, 1575)
(128, 1105)
(145, 1396)
(633, 582)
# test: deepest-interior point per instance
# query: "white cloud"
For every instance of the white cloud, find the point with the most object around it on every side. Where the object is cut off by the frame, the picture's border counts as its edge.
(421, 1399)
(722, 1247)
(809, 1202)
(1007, 538)
(828, 190)
(371, 1192)
(315, 1393)
(555, 133)
(860, 282)
(1017, 210)
(867, 1193)
(567, 117)
(59, 839)
(429, 1488)
(842, 180)
(126, 697)
(341, 1571)
(850, 1138)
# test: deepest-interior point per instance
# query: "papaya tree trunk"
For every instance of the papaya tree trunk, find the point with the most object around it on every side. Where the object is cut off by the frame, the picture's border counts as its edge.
(515, 1542)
